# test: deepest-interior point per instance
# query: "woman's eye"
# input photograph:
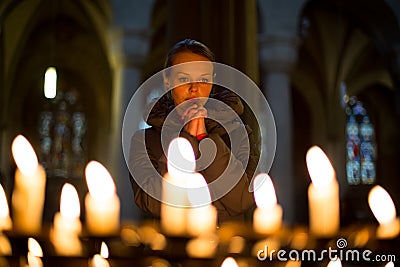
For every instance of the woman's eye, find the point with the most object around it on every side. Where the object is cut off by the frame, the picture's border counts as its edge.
(183, 79)
(204, 80)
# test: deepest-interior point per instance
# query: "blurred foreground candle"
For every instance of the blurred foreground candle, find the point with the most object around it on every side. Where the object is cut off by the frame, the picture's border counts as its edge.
(335, 263)
(67, 226)
(229, 262)
(383, 208)
(29, 190)
(5, 224)
(180, 165)
(5, 220)
(202, 215)
(102, 203)
(267, 217)
(323, 194)
(34, 253)
(204, 246)
(100, 260)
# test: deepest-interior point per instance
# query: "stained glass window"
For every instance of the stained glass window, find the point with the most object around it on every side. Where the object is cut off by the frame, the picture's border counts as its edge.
(360, 145)
(62, 128)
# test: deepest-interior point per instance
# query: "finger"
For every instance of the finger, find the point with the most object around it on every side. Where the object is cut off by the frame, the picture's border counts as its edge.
(191, 127)
(198, 114)
(188, 109)
(190, 114)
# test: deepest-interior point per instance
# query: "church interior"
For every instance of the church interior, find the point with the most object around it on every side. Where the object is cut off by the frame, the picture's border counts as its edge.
(329, 69)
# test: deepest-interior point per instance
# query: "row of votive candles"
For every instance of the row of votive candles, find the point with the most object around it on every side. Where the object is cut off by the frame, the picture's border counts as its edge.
(323, 199)
(101, 203)
(35, 254)
(103, 206)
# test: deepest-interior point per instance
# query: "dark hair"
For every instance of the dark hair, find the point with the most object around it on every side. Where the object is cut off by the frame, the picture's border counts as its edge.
(188, 45)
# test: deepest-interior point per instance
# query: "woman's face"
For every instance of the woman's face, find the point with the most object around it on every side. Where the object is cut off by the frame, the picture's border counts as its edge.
(190, 81)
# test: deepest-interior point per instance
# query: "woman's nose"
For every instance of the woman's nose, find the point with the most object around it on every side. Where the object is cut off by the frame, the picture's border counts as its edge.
(194, 86)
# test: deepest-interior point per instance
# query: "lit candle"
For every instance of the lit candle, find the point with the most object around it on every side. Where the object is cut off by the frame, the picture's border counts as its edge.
(204, 246)
(67, 226)
(389, 264)
(267, 217)
(383, 208)
(5, 220)
(34, 253)
(202, 215)
(181, 164)
(5, 224)
(323, 194)
(29, 190)
(102, 203)
(229, 262)
(335, 263)
(100, 260)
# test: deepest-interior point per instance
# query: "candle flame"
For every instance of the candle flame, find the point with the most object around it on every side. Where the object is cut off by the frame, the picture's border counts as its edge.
(4, 211)
(319, 167)
(335, 263)
(99, 181)
(34, 261)
(264, 191)
(24, 155)
(229, 262)
(389, 264)
(69, 204)
(381, 204)
(181, 158)
(104, 250)
(34, 247)
(197, 190)
(99, 261)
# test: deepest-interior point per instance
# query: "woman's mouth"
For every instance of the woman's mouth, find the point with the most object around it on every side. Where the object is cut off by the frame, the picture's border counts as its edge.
(192, 100)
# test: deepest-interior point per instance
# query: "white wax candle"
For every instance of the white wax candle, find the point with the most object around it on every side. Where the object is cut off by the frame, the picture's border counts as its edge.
(181, 165)
(323, 204)
(202, 216)
(267, 221)
(102, 203)
(323, 194)
(5, 220)
(29, 190)
(384, 211)
(173, 208)
(202, 220)
(67, 226)
(388, 230)
(267, 217)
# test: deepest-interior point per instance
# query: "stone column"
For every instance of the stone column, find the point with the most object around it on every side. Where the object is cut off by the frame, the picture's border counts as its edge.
(129, 50)
(277, 56)
(129, 45)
